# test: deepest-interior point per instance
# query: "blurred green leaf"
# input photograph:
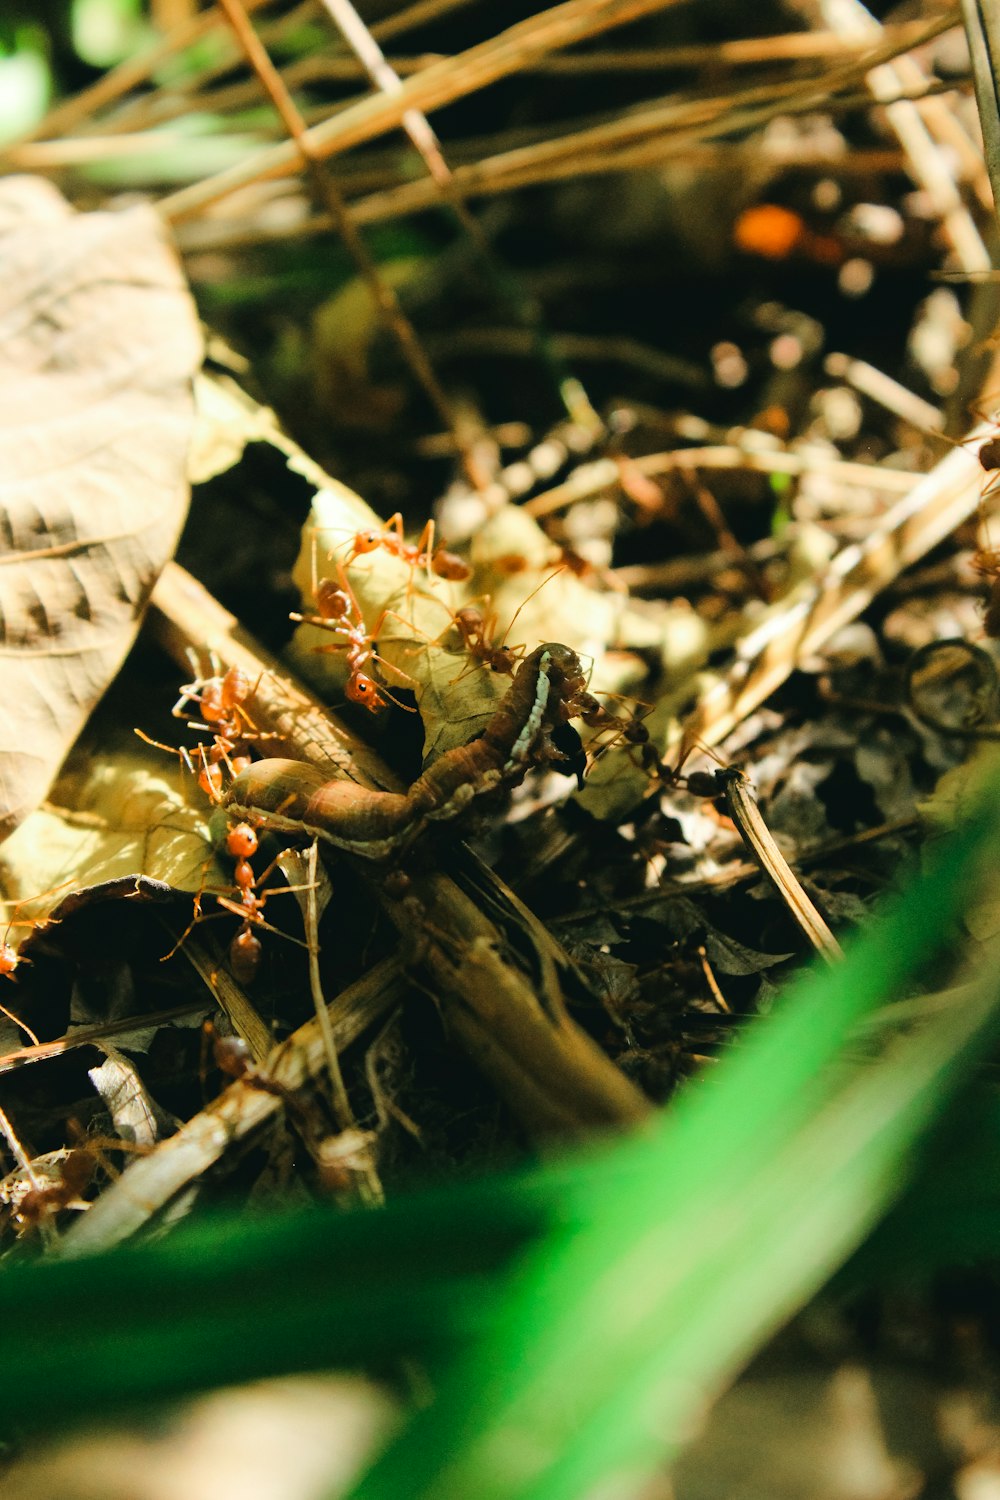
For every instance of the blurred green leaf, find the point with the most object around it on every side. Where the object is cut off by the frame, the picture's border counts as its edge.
(25, 82)
(106, 31)
(583, 1312)
(616, 1334)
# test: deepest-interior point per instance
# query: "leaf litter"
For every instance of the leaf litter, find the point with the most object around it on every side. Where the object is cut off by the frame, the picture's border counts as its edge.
(673, 938)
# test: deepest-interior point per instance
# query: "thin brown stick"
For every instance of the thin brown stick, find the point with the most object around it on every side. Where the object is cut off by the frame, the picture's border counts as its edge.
(759, 840)
(85, 1036)
(658, 131)
(224, 231)
(508, 52)
(157, 108)
(412, 16)
(227, 995)
(916, 124)
(126, 76)
(369, 1185)
(242, 1110)
(454, 78)
(801, 624)
(383, 295)
(591, 479)
(425, 140)
(739, 52)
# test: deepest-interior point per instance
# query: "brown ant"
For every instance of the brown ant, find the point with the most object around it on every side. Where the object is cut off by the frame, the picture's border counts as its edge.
(42, 1202)
(476, 629)
(339, 611)
(44, 1199)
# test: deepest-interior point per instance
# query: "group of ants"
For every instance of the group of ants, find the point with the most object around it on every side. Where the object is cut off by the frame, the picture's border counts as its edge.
(221, 701)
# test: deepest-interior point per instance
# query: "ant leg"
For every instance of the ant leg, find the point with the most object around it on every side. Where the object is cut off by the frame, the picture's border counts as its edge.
(258, 921)
(179, 750)
(196, 916)
(388, 666)
(425, 546)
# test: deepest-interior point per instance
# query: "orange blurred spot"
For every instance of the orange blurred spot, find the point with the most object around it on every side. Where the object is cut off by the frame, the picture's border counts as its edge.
(773, 419)
(770, 231)
(776, 233)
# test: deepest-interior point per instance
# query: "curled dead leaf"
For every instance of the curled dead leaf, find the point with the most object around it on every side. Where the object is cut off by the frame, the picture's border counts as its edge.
(108, 822)
(99, 342)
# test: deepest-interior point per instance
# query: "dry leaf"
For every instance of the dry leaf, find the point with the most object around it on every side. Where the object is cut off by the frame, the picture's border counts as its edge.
(99, 342)
(411, 611)
(106, 820)
(227, 419)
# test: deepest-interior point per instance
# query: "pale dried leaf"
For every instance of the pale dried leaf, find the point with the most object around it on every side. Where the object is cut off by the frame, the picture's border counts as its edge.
(106, 820)
(134, 1112)
(227, 419)
(98, 345)
(408, 610)
(411, 611)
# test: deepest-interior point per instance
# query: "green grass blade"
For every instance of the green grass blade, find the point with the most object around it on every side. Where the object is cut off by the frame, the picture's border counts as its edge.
(737, 1207)
(228, 1300)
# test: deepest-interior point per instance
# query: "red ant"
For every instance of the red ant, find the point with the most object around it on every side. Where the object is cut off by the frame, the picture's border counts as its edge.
(476, 629)
(438, 561)
(45, 1198)
(339, 611)
(11, 960)
(221, 700)
(245, 949)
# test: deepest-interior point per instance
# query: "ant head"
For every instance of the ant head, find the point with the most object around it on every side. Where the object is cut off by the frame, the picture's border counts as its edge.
(367, 541)
(8, 960)
(241, 841)
(364, 690)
